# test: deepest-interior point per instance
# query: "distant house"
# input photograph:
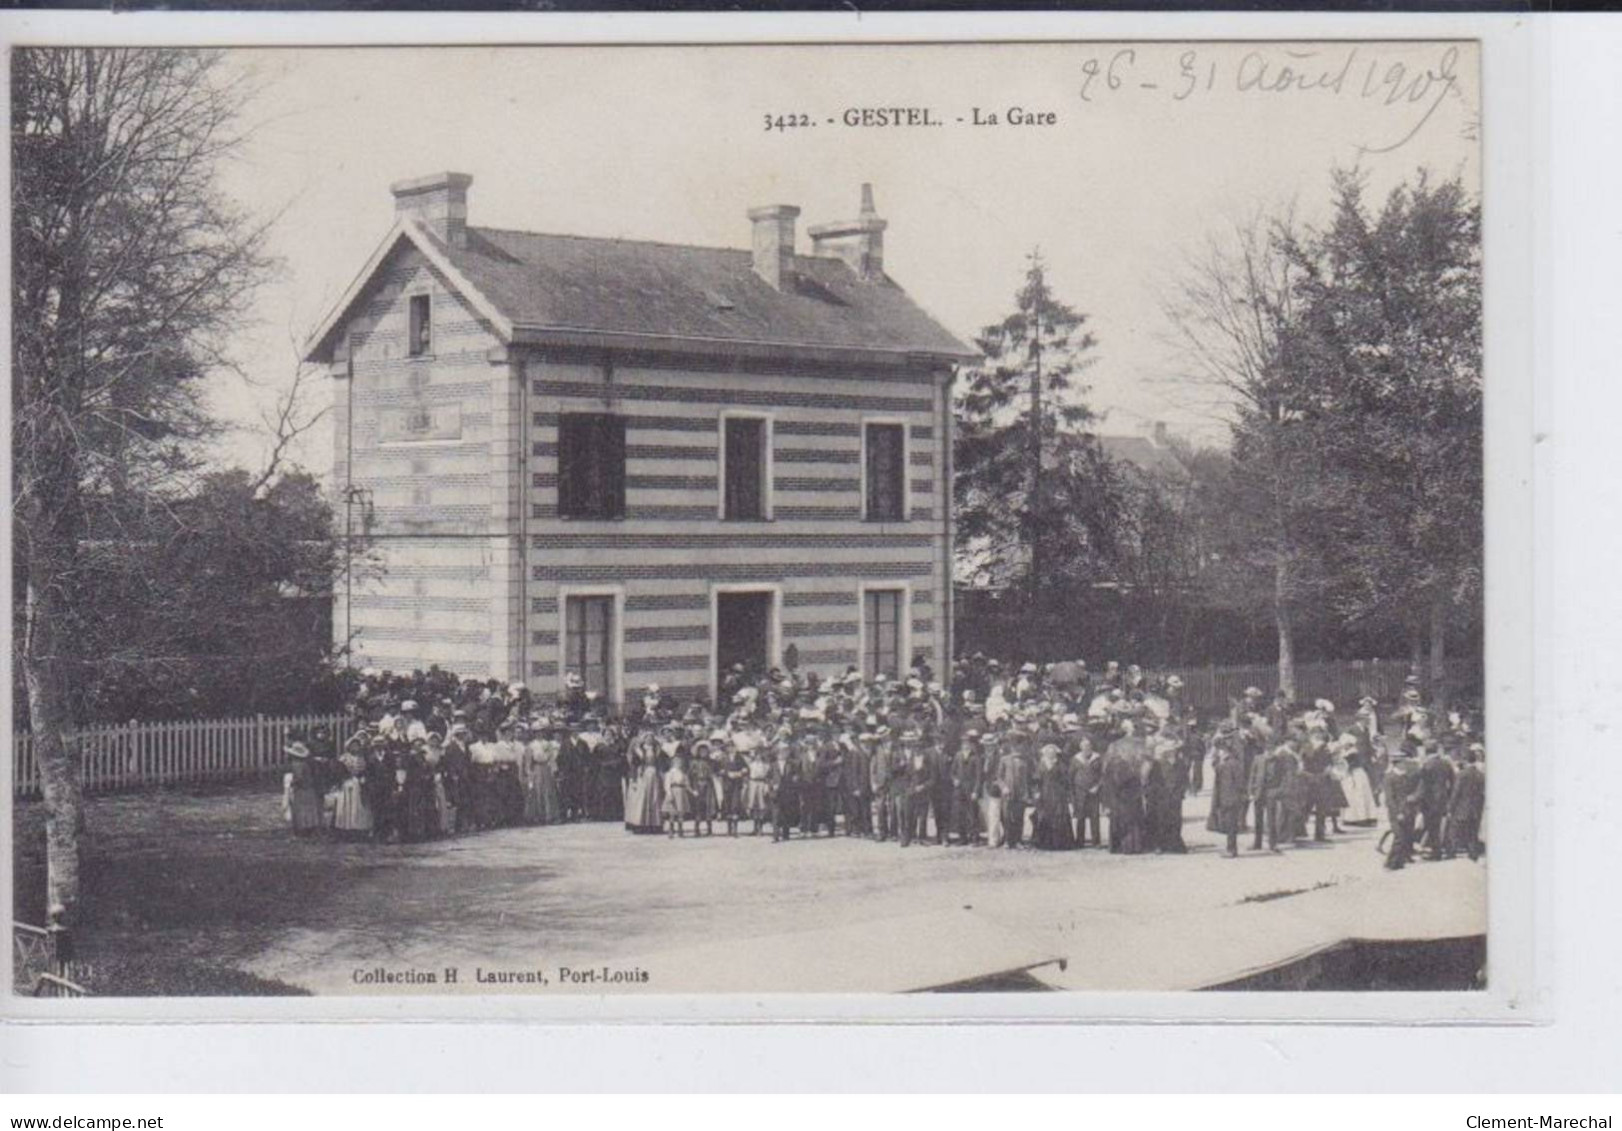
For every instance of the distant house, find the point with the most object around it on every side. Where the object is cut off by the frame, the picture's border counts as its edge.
(641, 461)
(1151, 453)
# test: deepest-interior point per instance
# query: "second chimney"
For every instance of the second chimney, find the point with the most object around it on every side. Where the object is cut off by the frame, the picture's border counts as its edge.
(773, 243)
(438, 202)
(859, 242)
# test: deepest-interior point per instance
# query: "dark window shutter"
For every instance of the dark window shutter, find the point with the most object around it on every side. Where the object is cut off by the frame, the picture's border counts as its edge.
(745, 486)
(886, 475)
(571, 472)
(611, 436)
(591, 465)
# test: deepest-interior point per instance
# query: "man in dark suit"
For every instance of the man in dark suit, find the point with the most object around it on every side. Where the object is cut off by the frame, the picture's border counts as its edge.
(855, 772)
(940, 789)
(1014, 783)
(1466, 806)
(1086, 780)
(1269, 786)
(1315, 761)
(1436, 777)
(1401, 795)
(966, 781)
(909, 785)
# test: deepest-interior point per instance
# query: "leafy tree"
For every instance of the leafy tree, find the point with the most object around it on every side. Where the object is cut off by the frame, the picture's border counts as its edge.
(129, 267)
(1388, 349)
(1036, 500)
(215, 603)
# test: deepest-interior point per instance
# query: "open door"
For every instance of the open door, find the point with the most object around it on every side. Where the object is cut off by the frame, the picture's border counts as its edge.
(743, 625)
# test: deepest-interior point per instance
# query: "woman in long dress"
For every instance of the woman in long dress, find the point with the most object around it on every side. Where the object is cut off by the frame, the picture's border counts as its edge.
(542, 804)
(353, 817)
(1353, 777)
(443, 793)
(1052, 820)
(757, 790)
(645, 799)
(304, 803)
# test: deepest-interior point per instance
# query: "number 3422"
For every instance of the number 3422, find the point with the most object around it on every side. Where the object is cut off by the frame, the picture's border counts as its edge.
(787, 122)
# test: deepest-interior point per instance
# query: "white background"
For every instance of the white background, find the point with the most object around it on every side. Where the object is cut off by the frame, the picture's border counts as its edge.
(1575, 782)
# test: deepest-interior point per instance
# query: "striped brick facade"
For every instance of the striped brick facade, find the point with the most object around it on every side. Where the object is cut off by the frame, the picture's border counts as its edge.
(453, 456)
(672, 554)
(445, 506)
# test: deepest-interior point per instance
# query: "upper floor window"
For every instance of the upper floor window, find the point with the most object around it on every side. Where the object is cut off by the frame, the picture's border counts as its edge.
(885, 471)
(746, 454)
(422, 328)
(882, 610)
(591, 465)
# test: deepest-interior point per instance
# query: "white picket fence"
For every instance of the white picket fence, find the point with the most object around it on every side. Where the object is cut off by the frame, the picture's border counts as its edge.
(167, 753)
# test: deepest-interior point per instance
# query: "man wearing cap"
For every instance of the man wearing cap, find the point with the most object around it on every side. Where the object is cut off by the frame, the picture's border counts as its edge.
(1401, 799)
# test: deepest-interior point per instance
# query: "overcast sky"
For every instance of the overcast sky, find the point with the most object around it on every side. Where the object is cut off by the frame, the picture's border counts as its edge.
(668, 144)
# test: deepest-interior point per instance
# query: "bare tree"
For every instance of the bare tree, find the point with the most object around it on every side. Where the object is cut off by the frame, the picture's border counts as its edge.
(1229, 311)
(129, 268)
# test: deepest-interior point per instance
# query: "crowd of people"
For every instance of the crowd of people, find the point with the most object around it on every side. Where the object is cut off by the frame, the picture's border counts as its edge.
(1052, 757)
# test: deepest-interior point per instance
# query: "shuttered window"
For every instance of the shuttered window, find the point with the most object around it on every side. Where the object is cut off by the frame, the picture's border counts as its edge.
(881, 636)
(886, 473)
(422, 325)
(745, 488)
(589, 642)
(591, 465)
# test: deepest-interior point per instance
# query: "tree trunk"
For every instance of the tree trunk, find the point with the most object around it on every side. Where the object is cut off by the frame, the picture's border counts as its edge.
(51, 720)
(1438, 656)
(1037, 563)
(1286, 628)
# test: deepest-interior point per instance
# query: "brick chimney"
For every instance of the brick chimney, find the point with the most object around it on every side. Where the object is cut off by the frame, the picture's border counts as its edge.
(859, 242)
(438, 202)
(1160, 433)
(773, 242)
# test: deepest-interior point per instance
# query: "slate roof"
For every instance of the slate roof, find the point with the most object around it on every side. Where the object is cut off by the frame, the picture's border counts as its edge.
(677, 290)
(1141, 452)
(584, 285)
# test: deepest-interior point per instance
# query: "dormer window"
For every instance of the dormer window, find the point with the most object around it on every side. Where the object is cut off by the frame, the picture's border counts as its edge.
(422, 329)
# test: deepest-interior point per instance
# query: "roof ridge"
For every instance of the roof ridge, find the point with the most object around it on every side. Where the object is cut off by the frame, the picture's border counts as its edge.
(636, 240)
(608, 239)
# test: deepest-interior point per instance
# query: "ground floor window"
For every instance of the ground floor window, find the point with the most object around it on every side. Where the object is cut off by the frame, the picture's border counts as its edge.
(881, 636)
(588, 645)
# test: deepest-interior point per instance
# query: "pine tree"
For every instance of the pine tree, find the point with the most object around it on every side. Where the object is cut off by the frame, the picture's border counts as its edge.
(1035, 496)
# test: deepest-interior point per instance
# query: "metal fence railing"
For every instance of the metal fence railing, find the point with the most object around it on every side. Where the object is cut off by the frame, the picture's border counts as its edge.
(1343, 682)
